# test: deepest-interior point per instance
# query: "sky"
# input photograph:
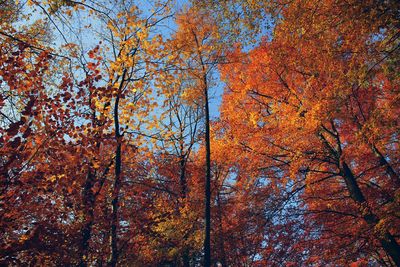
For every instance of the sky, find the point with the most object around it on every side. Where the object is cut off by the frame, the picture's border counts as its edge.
(63, 32)
(89, 37)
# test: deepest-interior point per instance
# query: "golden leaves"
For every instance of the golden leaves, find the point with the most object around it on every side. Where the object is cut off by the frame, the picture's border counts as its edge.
(54, 178)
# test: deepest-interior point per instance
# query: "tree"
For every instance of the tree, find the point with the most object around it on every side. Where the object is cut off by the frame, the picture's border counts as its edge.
(298, 94)
(110, 155)
(197, 40)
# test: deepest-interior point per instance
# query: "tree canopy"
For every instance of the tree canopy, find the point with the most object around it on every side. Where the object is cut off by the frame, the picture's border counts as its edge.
(112, 152)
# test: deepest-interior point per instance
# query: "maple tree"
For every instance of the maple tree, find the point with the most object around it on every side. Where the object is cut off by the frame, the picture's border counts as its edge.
(112, 152)
(309, 93)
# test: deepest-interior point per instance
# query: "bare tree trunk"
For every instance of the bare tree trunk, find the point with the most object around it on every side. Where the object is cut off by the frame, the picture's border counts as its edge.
(88, 202)
(389, 169)
(117, 182)
(186, 259)
(183, 182)
(182, 178)
(114, 208)
(220, 230)
(388, 242)
(207, 240)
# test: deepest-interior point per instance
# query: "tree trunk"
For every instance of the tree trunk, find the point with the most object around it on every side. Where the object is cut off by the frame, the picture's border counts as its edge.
(220, 230)
(207, 193)
(88, 202)
(186, 259)
(183, 182)
(388, 242)
(114, 208)
(182, 178)
(389, 169)
(117, 182)
(207, 240)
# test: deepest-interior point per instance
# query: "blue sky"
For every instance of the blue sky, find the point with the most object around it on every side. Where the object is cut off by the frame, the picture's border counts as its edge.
(89, 40)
